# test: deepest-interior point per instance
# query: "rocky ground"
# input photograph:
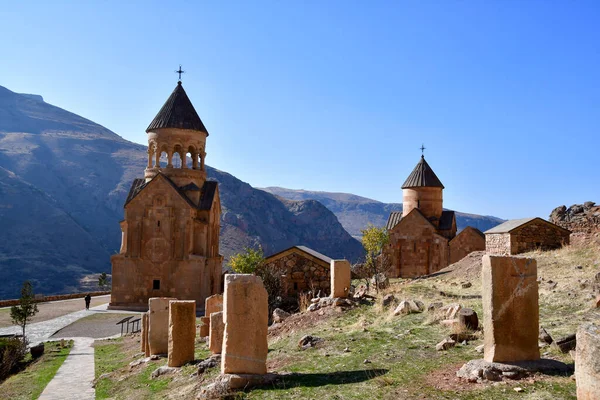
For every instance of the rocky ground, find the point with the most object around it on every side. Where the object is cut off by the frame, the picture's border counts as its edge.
(391, 346)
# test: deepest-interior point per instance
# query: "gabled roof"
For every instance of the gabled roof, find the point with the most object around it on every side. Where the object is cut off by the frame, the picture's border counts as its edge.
(513, 224)
(207, 193)
(446, 220)
(422, 176)
(393, 219)
(306, 250)
(472, 229)
(177, 112)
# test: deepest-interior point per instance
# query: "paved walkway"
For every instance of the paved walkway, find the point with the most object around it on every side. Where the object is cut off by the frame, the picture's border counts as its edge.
(41, 331)
(74, 378)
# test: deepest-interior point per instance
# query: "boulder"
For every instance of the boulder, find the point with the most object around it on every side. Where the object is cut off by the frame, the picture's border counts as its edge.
(279, 315)
(434, 306)
(566, 343)
(388, 299)
(445, 344)
(468, 318)
(308, 341)
(545, 336)
(409, 307)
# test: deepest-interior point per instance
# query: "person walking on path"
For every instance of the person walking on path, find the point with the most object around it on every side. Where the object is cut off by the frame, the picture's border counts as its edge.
(88, 299)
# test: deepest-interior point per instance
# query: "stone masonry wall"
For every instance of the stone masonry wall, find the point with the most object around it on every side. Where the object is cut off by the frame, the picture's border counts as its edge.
(497, 243)
(465, 242)
(302, 274)
(538, 235)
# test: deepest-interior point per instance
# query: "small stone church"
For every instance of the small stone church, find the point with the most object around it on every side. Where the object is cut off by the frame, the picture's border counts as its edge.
(423, 234)
(170, 234)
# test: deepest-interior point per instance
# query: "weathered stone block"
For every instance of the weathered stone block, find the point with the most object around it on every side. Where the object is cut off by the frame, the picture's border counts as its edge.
(158, 324)
(182, 332)
(215, 338)
(246, 316)
(340, 278)
(510, 309)
(144, 341)
(205, 327)
(213, 304)
(587, 362)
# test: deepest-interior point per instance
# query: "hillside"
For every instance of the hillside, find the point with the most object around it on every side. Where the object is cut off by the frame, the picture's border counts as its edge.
(355, 212)
(63, 182)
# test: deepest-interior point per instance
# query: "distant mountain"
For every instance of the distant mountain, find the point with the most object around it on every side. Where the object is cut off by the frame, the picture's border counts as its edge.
(63, 182)
(356, 212)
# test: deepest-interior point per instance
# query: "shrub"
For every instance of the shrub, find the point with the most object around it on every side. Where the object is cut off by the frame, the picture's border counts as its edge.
(12, 351)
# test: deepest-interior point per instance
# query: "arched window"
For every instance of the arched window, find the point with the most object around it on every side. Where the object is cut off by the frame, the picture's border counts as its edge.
(163, 159)
(189, 161)
(177, 160)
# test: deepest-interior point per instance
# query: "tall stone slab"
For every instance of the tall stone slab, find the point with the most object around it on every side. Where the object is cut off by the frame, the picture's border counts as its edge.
(340, 278)
(212, 304)
(144, 341)
(182, 332)
(217, 327)
(158, 324)
(246, 317)
(587, 362)
(510, 309)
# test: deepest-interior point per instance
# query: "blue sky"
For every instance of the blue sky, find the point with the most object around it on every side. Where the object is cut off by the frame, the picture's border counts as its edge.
(339, 95)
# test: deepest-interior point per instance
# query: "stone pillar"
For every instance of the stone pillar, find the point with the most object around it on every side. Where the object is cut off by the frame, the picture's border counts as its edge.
(144, 341)
(158, 324)
(182, 332)
(340, 278)
(212, 304)
(205, 327)
(215, 339)
(510, 309)
(587, 362)
(246, 317)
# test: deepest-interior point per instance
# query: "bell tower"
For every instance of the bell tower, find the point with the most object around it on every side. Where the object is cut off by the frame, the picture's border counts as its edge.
(423, 190)
(177, 142)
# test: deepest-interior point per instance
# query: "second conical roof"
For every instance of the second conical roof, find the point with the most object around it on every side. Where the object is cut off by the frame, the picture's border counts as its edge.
(422, 176)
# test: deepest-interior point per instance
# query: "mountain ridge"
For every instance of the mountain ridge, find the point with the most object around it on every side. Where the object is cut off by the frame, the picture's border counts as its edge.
(63, 183)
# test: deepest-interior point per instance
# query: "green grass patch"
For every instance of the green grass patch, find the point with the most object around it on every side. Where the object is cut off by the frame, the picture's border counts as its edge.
(30, 382)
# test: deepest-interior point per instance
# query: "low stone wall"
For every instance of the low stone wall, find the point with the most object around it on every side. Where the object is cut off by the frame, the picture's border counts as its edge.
(497, 243)
(43, 299)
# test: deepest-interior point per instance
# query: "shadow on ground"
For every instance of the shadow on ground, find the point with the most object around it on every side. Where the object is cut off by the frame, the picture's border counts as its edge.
(323, 379)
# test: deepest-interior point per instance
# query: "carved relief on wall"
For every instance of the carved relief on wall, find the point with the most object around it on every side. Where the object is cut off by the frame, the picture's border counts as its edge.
(157, 250)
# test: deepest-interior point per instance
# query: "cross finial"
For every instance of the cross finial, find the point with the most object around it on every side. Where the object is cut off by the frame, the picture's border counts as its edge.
(179, 71)
(422, 149)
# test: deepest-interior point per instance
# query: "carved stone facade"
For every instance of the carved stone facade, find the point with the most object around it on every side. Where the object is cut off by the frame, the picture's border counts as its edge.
(302, 270)
(415, 248)
(170, 234)
(520, 236)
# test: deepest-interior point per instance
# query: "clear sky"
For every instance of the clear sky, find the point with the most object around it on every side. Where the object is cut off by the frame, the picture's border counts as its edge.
(339, 95)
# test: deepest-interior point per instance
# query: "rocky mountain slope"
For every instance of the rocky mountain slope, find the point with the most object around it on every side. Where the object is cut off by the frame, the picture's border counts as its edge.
(63, 182)
(579, 218)
(355, 212)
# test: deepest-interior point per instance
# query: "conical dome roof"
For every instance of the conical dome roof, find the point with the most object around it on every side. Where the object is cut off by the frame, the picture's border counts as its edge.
(422, 176)
(177, 112)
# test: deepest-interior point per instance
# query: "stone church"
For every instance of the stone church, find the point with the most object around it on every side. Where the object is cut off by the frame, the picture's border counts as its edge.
(170, 234)
(422, 233)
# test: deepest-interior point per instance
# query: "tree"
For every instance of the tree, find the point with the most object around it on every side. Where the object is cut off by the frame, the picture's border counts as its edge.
(376, 263)
(22, 313)
(103, 281)
(248, 261)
